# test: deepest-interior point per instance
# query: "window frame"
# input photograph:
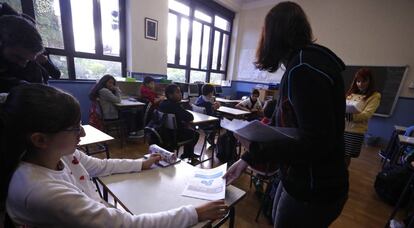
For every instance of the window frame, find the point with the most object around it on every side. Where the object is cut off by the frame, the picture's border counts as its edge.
(68, 36)
(212, 9)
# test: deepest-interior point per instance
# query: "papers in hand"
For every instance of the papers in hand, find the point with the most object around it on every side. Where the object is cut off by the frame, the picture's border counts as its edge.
(256, 131)
(233, 125)
(354, 106)
(207, 184)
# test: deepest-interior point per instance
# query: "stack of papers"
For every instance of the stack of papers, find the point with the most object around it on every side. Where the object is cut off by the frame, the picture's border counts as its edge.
(207, 184)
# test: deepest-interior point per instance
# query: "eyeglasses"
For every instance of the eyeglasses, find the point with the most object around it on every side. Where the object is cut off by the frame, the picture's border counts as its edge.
(77, 130)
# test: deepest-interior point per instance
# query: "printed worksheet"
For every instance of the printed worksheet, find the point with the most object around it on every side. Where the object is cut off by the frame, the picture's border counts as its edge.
(207, 184)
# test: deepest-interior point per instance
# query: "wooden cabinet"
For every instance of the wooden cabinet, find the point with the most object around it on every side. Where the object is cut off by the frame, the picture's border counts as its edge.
(266, 94)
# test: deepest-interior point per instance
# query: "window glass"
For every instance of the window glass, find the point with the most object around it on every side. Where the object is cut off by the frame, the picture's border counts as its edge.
(196, 42)
(202, 16)
(83, 28)
(197, 76)
(110, 27)
(176, 75)
(184, 41)
(179, 7)
(61, 63)
(95, 69)
(206, 45)
(221, 23)
(47, 13)
(172, 36)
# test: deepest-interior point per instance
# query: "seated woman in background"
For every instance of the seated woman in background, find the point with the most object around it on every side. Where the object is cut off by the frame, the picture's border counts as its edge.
(363, 92)
(46, 181)
(147, 92)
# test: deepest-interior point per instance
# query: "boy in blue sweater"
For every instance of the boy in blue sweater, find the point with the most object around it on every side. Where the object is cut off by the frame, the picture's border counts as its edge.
(205, 100)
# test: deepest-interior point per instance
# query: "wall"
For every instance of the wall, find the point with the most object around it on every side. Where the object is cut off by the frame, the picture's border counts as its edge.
(145, 55)
(80, 90)
(370, 32)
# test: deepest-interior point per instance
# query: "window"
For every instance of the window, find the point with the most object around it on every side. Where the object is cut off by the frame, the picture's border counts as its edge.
(85, 38)
(15, 4)
(198, 41)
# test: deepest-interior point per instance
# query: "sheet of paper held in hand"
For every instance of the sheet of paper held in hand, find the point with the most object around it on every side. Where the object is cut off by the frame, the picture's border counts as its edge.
(233, 125)
(207, 183)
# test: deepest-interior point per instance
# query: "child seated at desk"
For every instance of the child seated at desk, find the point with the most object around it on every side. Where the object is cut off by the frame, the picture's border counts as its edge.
(206, 100)
(47, 181)
(147, 91)
(183, 118)
(251, 104)
(108, 94)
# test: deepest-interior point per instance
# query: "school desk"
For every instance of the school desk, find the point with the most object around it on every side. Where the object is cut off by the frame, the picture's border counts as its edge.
(159, 190)
(232, 112)
(96, 137)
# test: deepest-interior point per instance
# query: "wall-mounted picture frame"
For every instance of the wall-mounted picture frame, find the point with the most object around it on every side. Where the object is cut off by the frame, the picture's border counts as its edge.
(151, 29)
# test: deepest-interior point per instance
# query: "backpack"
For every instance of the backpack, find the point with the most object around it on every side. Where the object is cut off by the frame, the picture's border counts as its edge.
(95, 117)
(390, 183)
(226, 148)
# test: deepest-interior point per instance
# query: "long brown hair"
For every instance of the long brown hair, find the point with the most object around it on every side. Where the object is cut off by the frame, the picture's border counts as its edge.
(285, 30)
(94, 94)
(366, 75)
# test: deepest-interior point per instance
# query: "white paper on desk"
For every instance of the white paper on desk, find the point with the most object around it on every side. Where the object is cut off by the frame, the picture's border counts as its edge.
(233, 125)
(207, 184)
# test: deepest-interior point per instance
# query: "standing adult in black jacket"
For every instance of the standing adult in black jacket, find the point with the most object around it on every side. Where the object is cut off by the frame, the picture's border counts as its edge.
(314, 185)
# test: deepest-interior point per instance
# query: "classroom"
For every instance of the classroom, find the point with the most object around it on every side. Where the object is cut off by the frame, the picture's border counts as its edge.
(195, 64)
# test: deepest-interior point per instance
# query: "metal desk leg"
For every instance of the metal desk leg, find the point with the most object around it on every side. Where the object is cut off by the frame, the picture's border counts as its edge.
(232, 214)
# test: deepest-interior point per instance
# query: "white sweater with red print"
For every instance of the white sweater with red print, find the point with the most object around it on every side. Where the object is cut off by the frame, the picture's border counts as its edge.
(41, 197)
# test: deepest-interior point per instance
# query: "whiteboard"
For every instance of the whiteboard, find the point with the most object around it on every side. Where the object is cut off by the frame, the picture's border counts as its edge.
(248, 72)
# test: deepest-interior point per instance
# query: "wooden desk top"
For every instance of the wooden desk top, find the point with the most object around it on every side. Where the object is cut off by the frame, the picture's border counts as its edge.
(202, 118)
(223, 100)
(406, 140)
(232, 111)
(93, 136)
(136, 191)
(129, 103)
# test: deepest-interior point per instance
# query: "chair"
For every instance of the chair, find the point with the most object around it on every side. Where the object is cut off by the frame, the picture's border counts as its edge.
(207, 132)
(168, 122)
(265, 174)
(113, 125)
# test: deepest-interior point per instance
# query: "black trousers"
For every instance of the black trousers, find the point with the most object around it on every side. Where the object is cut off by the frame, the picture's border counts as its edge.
(184, 134)
(290, 212)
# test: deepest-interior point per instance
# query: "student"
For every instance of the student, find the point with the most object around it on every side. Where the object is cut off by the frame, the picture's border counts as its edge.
(205, 100)
(148, 93)
(314, 186)
(251, 104)
(47, 180)
(183, 117)
(356, 125)
(109, 94)
(17, 50)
